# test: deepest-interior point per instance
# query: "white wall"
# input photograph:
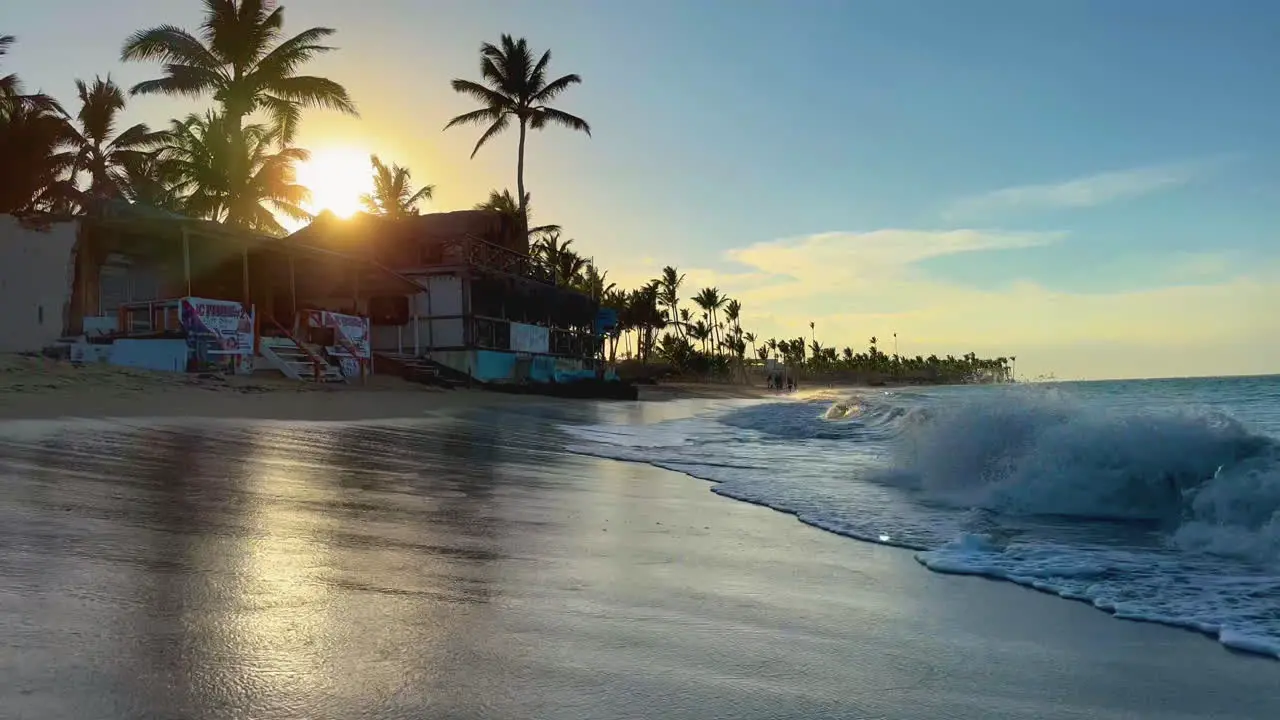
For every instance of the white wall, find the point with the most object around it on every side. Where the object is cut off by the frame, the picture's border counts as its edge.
(36, 273)
(446, 296)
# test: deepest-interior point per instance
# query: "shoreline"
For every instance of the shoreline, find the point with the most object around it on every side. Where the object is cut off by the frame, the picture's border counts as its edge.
(510, 580)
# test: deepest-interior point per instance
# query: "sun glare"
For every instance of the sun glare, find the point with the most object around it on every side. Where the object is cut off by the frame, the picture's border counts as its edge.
(337, 178)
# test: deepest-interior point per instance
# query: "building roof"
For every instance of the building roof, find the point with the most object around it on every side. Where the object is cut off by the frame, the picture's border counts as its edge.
(362, 230)
(146, 231)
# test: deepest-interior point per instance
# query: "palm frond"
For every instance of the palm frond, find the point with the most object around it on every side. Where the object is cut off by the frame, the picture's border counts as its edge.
(551, 90)
(485, 96)
(497, 127)
(183, 85)
(286, 115)
(171, 45)
(545, 115)
(136, 137)
(424, 193)
(294, 52)
(310, 91)
(483, 115)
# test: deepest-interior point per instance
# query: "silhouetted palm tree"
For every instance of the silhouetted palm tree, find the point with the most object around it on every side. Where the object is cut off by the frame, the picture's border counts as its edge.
(514, 85)
(101, 154)
(595, 282)
(197, 158)
(240, 61)
(37, 167)
(393, 195)
(502, 202)
(35, 138)
(669, 295)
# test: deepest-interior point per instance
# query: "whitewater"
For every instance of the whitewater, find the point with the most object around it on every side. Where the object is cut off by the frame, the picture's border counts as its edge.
(1156, 501)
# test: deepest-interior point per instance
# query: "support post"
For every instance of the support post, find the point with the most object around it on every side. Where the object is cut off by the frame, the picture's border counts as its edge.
(417, 350)
(293, 293)
(186, 259)
(244, 265)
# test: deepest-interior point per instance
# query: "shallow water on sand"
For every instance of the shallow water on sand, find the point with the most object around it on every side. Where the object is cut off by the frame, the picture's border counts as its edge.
(466, 567)
(1152, 500)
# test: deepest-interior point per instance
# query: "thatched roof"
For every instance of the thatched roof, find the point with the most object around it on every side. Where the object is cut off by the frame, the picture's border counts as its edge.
(362, 230)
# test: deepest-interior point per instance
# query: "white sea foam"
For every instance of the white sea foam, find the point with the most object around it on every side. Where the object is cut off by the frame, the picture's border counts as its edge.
(1147, 503)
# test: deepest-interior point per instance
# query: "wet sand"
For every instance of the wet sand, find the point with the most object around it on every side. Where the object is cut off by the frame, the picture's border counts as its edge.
(461, 567)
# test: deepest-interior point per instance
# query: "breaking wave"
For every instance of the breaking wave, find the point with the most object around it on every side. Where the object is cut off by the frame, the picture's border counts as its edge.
(1133, 498)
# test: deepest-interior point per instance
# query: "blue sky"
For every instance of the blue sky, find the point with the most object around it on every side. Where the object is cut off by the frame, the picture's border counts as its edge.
(1089, 185)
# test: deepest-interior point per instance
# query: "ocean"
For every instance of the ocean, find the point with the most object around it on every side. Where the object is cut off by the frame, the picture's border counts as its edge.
(1154, 500)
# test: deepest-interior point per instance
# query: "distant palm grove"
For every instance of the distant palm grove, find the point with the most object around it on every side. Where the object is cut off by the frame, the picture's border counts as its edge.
(234, 162)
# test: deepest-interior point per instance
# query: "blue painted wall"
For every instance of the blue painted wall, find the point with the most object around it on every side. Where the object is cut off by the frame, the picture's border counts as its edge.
(493, 366)
(165, 355)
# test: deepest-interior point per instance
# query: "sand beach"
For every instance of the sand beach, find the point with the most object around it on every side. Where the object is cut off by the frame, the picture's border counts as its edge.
(436, 555)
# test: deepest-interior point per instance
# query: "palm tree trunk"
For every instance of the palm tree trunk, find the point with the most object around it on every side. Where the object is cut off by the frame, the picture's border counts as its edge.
(524, 209)
(239, 173)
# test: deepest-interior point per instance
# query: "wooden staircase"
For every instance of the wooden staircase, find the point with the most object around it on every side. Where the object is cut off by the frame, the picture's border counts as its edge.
(421, 370)
(297, 361)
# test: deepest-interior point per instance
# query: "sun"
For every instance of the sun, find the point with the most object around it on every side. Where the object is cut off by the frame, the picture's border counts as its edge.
(337, 177)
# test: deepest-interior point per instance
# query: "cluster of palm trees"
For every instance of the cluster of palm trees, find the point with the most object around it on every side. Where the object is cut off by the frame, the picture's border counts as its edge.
(220, 164)
(819, 360)
(706, 338)
(235, 163)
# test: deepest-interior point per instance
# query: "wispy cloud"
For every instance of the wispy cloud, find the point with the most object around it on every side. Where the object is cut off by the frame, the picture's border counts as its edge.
(849, 257)
(855, 285)
(1083, 192)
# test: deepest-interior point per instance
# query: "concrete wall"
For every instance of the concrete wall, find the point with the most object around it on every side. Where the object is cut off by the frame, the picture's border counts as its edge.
(35, 283)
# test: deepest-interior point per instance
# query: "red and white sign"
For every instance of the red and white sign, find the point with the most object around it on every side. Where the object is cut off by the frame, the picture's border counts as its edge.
(219, 328)
(350, 337)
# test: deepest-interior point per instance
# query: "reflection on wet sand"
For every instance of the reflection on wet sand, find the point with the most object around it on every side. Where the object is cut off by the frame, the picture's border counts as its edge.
(465, 567)
(265, 568)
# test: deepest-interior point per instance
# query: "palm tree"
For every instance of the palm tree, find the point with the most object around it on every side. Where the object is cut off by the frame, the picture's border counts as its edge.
(751, 338)
(710, 300)
(669, 295)
(595, 283)
(569, 267)
(34, 141)
(238, 60)
(10, 85)
(514, 85)
(12, 93)
(150, 180)
(101, 154)
(566, 264)
(392, 194)
(38, 164)
(502, 202)
(197, 156)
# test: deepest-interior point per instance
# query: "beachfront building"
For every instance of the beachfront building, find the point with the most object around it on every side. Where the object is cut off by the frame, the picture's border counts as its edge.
(141, 287)
(484, 309)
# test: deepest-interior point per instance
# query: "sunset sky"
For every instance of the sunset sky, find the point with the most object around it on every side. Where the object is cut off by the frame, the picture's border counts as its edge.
(1091, 186)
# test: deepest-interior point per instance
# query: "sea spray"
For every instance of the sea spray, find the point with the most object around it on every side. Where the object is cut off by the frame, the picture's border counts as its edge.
(1152, 501)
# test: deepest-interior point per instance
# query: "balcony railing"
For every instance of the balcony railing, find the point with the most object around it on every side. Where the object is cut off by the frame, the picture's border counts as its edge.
(495, 334)
(472, 251)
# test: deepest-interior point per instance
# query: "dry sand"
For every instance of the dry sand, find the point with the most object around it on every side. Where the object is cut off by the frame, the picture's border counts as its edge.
(37, 387)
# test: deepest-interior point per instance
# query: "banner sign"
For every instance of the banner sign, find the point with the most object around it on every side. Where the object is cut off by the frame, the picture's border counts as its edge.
(530, 338)
(350, 336)
(219, 334)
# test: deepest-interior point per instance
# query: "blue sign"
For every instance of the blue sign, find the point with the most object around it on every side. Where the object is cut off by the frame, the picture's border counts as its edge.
(606, 320)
